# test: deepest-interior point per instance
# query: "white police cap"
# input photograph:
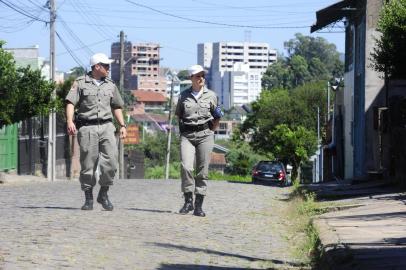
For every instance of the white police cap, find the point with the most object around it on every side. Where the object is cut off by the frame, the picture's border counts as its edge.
(100, 58)
(192, 70)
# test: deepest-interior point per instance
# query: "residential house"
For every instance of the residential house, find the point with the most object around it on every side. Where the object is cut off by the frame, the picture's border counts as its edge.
(150, 101)
(225, 129)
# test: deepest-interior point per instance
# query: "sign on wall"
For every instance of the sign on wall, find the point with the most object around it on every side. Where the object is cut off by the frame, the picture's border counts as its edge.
(133, 135)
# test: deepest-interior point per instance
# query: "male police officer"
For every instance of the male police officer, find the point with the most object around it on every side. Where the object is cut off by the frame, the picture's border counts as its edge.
(97, 99)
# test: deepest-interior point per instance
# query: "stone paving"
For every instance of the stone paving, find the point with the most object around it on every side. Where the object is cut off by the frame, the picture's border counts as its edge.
(42, 227)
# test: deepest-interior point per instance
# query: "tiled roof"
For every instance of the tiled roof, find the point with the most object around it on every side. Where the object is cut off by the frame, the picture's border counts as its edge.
(218, 159)
(148, 96)
(150, 117)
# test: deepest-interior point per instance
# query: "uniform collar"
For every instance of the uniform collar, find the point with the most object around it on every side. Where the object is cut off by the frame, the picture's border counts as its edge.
(89, 77)
(204, 89)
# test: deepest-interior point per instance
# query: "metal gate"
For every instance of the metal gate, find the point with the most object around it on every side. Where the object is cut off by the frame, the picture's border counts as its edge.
(8, 147)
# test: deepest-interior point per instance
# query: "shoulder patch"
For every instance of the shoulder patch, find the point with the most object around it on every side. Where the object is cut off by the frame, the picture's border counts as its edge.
(74, 86)
(80, 78)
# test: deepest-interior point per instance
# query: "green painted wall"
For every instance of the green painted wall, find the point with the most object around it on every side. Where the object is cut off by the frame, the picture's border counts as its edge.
(8, 148)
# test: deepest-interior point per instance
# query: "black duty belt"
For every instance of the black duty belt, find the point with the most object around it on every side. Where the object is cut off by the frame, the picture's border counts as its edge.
(93, 122)
(190, 128)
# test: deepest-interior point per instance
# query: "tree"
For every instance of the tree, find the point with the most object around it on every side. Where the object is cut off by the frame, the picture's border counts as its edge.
(291, 111)
(241, 158)
(183, 75)
(314, 47)
(271, 109)
(309, 59)
(318, 70)
(279, 75)
(154, 148)
(389, 55)
(306, 99)
(77, 71)
(292, 146)
(23, 91)
(299, 69)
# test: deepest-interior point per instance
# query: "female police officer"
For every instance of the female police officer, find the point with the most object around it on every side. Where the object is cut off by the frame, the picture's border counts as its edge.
(199, 116)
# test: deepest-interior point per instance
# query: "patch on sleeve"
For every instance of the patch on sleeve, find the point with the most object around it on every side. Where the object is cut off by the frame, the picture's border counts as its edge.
(74, 87)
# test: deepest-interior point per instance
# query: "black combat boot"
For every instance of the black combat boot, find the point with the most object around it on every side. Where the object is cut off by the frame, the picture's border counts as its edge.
(103, 199)
(198, 206)
(188, 206)
(89, 200)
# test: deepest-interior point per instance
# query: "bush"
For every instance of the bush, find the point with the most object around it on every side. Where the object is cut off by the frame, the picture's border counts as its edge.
(158, 172)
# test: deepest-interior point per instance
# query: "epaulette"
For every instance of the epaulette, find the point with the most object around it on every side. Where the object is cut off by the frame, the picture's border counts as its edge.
(80, 78)
(109, 79)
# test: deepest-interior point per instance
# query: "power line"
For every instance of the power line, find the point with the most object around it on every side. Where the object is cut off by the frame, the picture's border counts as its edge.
(74, 57)
(87, 46)
(75, 37)
(23, 12)
(214, 23)
(90, 20)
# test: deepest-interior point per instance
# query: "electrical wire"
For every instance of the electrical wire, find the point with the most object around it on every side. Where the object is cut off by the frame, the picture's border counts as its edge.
(214, 23)
(72, 54)
(88, 45)
(22, 12)
(74, 36)
(89, 20)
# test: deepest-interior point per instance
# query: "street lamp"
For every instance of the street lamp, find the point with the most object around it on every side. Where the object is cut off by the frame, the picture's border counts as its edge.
(174, 79)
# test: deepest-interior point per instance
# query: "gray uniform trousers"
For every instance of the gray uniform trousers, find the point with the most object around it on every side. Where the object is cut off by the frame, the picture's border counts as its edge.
(197, 145)
(97, 148)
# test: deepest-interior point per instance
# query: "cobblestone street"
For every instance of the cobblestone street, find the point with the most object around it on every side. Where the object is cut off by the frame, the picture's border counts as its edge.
(42, 227)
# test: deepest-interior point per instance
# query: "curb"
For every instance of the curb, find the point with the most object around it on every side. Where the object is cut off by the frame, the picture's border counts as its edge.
(334, 254)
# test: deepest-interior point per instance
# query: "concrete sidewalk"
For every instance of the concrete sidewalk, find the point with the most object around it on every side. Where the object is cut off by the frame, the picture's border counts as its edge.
(371, 235)
(15, 179)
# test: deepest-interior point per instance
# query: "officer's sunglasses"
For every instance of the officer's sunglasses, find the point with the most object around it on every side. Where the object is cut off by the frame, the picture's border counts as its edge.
(199, 76)
(105, 66)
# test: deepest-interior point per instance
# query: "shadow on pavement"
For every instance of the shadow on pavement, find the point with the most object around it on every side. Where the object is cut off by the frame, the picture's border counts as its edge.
(378, 216)
(49, 207)
(238, 182)
(221, 253)
(198, 267)
(338, 190)
(148, 210)
(377, 255)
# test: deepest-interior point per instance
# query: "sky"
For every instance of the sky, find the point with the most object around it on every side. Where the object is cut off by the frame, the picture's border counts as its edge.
(87, 27)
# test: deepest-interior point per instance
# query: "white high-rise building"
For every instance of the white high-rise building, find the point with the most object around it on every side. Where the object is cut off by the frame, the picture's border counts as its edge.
(235, 69)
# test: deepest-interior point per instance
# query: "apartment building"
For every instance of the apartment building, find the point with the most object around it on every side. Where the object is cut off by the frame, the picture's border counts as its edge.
(141, 66)
(235, 69)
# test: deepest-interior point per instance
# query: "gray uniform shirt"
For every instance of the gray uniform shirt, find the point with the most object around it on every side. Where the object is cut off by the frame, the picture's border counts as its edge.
(196, 112)
(93, 101)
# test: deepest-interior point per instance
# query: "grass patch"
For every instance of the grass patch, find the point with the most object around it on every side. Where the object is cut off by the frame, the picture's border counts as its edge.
(216, 175)
(158, 172)
(302, 235)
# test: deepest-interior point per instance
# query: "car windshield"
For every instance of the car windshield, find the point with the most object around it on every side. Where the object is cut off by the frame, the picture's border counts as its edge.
(269, 167)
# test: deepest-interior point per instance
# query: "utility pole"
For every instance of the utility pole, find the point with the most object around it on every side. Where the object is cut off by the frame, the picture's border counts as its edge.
(168, 145)
(328, 101)
(318, 126)
(120, 143)
(52, 116)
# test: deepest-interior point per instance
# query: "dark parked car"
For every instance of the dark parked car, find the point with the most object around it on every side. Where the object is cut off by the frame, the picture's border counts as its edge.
(271, 172)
